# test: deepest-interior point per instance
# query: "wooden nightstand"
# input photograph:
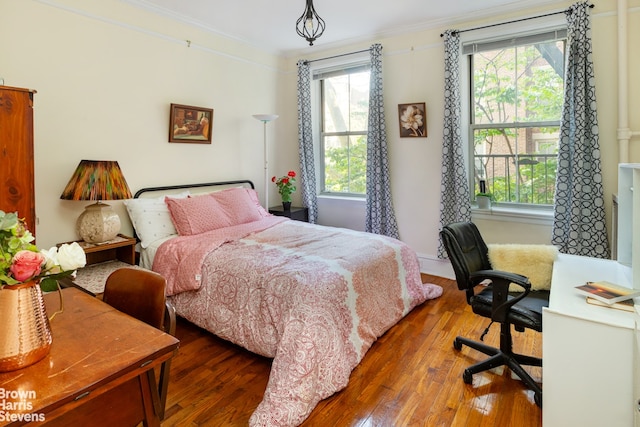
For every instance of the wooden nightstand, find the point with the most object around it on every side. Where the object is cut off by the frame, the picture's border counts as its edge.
(102, 260)
(297, 213)
(122, 248)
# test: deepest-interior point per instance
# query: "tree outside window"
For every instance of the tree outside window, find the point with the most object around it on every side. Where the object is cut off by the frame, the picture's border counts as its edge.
(345, 115)
(517, 99)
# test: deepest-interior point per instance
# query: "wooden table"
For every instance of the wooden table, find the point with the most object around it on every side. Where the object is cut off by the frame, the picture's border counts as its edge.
(99, 371)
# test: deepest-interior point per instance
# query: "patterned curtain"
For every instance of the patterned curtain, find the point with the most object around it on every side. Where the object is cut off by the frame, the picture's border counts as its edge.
(455, 204)
(305, 140)
(381, 218)
(579, 217)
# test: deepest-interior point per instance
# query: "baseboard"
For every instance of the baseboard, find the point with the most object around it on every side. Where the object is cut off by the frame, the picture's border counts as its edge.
(436, 267)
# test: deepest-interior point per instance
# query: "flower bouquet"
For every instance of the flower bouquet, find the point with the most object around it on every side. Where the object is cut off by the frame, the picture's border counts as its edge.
(22, 262)
(286, 185)
(24, 273)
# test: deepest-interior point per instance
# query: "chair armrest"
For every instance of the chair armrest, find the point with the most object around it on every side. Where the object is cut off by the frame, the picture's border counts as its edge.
(501, 276)
(500, 281)
(169, 318)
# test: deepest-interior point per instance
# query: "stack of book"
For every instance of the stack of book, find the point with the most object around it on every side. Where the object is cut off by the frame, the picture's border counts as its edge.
(607, 294)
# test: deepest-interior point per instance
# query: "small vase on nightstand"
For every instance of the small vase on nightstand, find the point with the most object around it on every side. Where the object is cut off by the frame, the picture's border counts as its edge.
(286, 206)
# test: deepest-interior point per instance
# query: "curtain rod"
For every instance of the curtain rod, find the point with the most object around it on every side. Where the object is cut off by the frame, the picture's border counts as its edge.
(591, 6)
(336, 56)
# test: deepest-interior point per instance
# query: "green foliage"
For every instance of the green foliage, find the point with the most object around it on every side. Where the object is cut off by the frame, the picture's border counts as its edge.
(14, 237)
(286, 185)
(346, 167)
(512, 87)
(21, 261)
(537, 185)
(345, 113)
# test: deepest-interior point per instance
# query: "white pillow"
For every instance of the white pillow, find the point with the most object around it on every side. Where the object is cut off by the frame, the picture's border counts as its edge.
(151, 218)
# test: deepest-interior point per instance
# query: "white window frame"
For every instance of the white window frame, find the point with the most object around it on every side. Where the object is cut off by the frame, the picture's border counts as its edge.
(529, 214)
(324, 67)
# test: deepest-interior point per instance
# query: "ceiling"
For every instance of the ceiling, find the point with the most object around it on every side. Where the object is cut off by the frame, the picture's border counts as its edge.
(270, 24)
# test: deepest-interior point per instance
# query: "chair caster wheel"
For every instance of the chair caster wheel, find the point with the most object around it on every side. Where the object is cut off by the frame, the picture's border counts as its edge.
(467, 377)
(538, 399)
(457, 344)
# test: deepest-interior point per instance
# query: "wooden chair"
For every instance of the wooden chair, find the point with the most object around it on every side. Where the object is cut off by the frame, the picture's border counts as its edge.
(141, 294)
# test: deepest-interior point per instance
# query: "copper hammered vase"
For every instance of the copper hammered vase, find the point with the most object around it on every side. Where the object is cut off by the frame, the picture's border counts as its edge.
(25, 334)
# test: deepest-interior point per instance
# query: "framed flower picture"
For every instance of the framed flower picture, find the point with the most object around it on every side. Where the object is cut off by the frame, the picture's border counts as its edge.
(413, 120)
(190, 124)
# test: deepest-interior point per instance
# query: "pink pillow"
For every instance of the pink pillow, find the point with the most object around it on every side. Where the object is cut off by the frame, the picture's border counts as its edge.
(195, 215)
(199, 214)
(253, 195)
(238, 205)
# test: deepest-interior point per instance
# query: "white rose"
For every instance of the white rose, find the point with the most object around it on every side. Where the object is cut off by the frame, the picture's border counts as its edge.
(51, 260)
(71, 257)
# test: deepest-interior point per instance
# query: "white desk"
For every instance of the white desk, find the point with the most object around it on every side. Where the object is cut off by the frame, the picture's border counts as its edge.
(588, 352)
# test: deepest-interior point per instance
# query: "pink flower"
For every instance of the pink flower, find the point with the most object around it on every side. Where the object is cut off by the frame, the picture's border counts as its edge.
(26, 265)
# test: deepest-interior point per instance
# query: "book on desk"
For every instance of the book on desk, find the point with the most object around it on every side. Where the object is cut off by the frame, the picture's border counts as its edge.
(608, 293)
(626, 305)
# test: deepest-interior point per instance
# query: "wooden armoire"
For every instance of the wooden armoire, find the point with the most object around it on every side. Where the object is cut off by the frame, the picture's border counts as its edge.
(17, 183)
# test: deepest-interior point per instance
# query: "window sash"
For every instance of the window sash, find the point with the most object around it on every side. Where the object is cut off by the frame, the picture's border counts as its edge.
(470, 48)
(325, 73)
(321, 75)
(348, 136)
(518, 125)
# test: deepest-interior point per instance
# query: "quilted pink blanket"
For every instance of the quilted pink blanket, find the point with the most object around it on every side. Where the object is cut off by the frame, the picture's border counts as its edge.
(313, 298)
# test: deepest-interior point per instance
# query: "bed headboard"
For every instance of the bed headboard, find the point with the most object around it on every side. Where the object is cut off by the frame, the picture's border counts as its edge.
(204, 187)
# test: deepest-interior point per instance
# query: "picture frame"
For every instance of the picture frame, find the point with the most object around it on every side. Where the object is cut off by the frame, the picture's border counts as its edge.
(189, 124)
(412, 120)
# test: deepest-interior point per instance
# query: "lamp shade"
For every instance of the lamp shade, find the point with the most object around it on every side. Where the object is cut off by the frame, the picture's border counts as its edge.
(265, 117)
(97, 180)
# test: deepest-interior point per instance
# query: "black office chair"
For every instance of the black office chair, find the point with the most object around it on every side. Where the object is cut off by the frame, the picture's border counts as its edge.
(141, 294)
(468, 255)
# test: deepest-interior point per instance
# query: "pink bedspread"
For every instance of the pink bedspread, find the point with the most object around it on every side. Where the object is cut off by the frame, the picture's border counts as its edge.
(313, 298)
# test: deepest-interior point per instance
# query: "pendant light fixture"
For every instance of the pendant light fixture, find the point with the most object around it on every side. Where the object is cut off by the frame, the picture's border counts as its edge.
(310, 25)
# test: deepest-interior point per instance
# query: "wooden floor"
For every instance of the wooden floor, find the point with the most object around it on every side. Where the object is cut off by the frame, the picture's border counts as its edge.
(411, 376)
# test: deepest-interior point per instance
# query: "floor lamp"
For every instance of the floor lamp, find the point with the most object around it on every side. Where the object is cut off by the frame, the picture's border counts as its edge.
(266, 118)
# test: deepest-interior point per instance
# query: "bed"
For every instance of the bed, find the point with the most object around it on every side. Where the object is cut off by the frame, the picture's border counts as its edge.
(311, 297)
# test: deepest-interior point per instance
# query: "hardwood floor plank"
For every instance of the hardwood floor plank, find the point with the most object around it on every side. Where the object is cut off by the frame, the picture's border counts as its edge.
(411, 376)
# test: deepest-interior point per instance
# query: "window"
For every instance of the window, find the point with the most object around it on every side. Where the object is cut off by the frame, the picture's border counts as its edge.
(344, 116)
(516, 100)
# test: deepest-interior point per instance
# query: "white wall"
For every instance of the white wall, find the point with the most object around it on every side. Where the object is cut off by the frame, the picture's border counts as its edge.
(414, 72)
(106, 73)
